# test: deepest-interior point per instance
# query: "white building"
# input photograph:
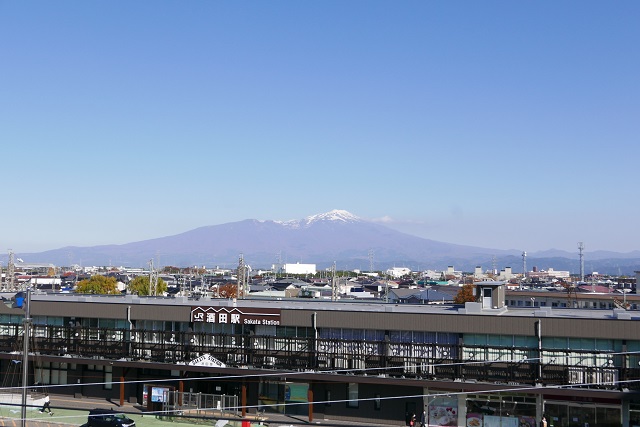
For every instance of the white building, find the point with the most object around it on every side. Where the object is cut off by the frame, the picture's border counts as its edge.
(450, 271)
(550, 273)
(397, 272)
(478, 274)
(506, 274)
(296, 268)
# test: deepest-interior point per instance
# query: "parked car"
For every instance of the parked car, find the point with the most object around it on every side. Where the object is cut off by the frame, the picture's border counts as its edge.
(108, 418)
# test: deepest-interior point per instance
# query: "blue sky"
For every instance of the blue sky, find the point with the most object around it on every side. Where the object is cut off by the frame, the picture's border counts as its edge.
(509, 125)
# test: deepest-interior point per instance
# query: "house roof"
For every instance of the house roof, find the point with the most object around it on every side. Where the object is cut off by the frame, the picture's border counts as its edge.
(425, 294)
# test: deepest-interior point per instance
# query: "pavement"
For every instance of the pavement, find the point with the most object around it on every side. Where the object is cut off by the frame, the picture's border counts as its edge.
(73, 412)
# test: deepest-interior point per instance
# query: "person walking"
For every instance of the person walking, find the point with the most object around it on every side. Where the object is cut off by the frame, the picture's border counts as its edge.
(423, 418)
(46, 406)
(543, 421)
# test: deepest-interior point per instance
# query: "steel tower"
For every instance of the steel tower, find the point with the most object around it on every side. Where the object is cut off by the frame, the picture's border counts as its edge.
(581, 249)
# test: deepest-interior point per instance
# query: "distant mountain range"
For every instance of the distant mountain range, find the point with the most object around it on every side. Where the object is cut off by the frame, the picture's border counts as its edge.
(337, 236)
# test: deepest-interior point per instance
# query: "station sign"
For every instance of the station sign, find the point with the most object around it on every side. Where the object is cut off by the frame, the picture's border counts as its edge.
(236, 315)
(208, 361)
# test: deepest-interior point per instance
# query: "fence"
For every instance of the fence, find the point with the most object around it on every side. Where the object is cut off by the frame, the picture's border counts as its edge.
(200, 404)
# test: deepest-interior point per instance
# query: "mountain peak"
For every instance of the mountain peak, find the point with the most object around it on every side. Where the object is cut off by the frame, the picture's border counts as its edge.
(334, 215)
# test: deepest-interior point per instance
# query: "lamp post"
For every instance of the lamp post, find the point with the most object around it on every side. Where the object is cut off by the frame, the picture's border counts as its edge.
(26, 327)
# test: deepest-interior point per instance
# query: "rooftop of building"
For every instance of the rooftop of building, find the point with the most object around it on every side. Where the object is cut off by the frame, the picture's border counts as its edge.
(340, 305)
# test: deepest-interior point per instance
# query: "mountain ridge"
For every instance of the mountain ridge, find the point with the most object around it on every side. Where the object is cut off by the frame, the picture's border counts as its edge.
(321, 239)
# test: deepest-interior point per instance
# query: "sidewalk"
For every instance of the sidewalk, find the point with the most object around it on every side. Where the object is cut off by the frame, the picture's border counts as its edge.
(70, 411)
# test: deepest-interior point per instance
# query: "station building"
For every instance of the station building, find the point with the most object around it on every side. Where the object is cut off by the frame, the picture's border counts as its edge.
(481, 364)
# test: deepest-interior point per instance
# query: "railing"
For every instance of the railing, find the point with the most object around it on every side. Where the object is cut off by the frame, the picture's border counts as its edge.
(186, 403)
(414, 360)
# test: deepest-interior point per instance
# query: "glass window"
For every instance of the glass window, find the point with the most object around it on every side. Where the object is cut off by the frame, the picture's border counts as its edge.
(108, 377)
(352, 395)
(373, 335)
(51, 373)
(524, 341)
(265, 330)
(505, 409)
(358, 334)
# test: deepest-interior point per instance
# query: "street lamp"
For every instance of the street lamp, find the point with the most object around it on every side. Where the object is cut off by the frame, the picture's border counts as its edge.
(23, 300)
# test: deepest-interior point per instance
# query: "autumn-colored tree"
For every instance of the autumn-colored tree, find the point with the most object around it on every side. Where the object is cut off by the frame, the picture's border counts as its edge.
(228, 290)
(465, 294)
(98, 285)
(169, 269)
(140, 286)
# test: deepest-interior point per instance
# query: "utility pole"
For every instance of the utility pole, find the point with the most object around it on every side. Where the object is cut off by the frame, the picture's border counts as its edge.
(494, 264)
(25, 304)
(10, 277)
(334, 283)
(524, 268)
(581, 250)
(241, 277)
(25, 355)
(153, 279)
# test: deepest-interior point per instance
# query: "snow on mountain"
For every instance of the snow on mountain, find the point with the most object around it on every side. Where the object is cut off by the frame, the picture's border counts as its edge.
(322, 239)
(334, 215)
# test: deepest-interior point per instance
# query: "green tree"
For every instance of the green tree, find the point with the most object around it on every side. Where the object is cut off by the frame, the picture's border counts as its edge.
(465, 294)
(140, 286)
(98, 285)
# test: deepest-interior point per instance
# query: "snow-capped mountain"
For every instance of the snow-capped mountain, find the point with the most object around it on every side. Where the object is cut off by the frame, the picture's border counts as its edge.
(336, 236)
(334, 215)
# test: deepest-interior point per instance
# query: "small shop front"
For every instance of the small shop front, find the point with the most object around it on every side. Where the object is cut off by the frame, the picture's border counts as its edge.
(284, 397)
(561, 411)
(500, 410)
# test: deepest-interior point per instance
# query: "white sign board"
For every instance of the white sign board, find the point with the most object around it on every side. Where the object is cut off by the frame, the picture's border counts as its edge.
(208, 361)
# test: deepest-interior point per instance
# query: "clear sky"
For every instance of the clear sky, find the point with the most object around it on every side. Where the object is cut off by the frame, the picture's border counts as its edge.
(502, 124)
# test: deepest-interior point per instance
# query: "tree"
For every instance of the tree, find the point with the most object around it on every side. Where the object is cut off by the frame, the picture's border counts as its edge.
(98, 285)
(465, 294)
(169, 269)
(140, 286)
(228, 290)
